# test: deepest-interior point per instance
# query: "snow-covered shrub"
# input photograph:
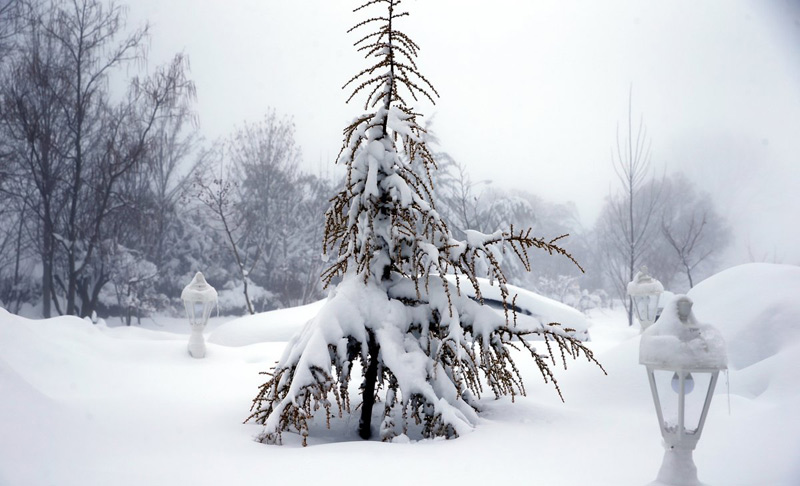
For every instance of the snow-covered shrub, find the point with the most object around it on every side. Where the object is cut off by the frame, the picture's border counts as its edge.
(567, 289)
(232, 298)
(130, 286)
(428, 349)
(14, 292)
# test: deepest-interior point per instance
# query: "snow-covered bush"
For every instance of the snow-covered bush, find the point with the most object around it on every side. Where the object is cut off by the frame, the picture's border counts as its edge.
(130, 283)
(567, 289)
(428, 349)
(232, 298)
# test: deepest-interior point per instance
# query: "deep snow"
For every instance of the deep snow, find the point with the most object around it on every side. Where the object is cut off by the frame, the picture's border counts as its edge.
(84, 404)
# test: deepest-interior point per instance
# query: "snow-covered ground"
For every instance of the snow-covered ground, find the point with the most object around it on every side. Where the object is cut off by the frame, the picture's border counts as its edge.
(84, 404)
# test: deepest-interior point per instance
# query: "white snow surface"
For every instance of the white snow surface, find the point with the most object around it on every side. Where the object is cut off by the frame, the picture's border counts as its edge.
(84, 404)
(275, 326)
(755, 306)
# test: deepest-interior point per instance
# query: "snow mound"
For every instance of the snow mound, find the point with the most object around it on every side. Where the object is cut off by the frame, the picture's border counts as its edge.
(24, 394)
(532, 306)
(89, 405)
(755, 306)
(274, 326)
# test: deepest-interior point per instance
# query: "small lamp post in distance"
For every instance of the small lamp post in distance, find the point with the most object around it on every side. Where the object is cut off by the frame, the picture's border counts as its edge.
(199, 298)
(645, 292)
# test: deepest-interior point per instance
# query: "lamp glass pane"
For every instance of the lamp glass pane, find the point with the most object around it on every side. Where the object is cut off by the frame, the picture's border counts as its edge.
(696, 400)
(207, 306)
(695, 388)
(198, 312)
(641, 303)
(189, 310)
(652, 307)
(668, 399)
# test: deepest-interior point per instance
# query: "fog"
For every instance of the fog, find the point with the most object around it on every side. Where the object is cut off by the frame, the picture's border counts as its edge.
(532, 92)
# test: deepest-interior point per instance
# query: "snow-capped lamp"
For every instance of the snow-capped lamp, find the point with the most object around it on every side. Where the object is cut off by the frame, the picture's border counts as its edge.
(683, 360)
(645, 292)
(199, 298)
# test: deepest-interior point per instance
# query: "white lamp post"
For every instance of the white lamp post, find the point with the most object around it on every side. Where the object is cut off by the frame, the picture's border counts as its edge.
(645, 291)
(199, 298)
(683, 361)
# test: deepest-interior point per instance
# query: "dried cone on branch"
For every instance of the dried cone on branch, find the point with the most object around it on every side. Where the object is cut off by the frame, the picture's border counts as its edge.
(425, 350)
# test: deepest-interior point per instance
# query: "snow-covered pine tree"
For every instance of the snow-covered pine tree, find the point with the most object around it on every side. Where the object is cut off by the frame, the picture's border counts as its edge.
(426, 350)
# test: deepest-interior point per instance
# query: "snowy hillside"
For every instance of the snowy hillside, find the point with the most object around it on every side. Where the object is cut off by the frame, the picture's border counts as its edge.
(84, 404)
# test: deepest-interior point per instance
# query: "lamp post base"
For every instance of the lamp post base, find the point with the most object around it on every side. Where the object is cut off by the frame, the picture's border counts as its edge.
(197, 344)
(677, 469)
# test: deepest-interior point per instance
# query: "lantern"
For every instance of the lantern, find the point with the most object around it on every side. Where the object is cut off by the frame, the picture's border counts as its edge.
(199, 298)
(683, 360)
(645, 292)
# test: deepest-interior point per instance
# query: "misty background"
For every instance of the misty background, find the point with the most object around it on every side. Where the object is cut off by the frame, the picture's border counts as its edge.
(539, 88)
(534, 99)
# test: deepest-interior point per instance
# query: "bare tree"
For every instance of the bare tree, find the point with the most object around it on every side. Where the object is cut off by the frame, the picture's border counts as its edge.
(763, 257)
(692, 227)
(34, 139)
(172, 161)
(628, 224)
(73, 147)
(256, 197)
(10, 14)
(461, 200)
(15, 254)
(266, 159)
(219, 195)
(307, 258)
(85, 32)
(125, 139)
(468, 204)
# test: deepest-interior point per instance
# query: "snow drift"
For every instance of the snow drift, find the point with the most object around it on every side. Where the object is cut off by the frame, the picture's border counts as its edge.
(755, 306)
(91, 405)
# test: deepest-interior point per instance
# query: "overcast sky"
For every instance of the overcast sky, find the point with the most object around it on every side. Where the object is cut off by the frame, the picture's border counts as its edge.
(532, 91)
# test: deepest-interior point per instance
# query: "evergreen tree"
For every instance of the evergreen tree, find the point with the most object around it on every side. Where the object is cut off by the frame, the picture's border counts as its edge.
(428, 350)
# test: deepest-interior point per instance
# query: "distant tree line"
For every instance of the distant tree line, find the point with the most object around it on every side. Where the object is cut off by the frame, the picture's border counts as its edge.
(110, 199)
(664, 223)
(108, 191)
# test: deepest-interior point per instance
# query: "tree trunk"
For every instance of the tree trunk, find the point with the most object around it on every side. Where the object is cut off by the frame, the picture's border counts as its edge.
(370, 379)
(71, 282)
(15, 297)
(47, 269)
(631, 184)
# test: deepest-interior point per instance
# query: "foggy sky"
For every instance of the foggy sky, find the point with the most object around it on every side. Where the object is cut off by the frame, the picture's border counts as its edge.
(532, 91)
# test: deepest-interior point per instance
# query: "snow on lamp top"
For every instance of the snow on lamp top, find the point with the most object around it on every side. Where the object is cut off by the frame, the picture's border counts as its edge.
(644, 284)
(199, 290)
(677, 341)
